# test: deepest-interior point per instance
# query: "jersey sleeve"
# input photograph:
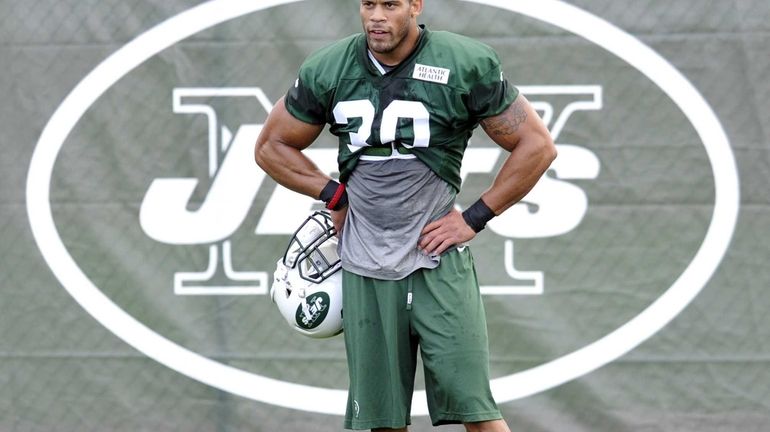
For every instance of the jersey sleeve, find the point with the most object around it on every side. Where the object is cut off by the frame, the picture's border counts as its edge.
(303, 101)
(492, 94)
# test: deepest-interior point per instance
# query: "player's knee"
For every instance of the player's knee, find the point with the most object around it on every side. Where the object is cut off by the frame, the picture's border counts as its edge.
(487, 426)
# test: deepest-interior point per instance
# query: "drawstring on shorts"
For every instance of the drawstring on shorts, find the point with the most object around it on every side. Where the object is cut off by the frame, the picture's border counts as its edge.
(409, 295)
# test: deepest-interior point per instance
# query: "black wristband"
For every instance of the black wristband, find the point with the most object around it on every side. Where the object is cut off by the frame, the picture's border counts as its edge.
(477, 215)
(334, 195)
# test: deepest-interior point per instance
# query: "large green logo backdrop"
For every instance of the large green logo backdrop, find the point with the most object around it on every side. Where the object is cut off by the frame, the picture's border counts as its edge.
(144, 206)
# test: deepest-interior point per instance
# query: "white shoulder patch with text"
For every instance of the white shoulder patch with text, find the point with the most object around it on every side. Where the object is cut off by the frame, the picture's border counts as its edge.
(431, 73)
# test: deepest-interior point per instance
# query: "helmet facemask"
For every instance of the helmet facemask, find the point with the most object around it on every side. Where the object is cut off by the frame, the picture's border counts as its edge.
(313, 249)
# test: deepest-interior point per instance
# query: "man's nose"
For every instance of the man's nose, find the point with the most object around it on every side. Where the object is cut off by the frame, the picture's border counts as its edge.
(377, 14)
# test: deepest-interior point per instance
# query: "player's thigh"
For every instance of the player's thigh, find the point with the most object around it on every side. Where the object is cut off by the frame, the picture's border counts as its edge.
(381, 351)
(451, 324)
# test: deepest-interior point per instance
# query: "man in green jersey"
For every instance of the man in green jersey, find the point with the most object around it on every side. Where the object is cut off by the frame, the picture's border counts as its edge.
(403, 101)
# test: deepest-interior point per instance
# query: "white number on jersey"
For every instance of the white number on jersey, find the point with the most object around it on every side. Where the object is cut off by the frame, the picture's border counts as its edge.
(364, 109)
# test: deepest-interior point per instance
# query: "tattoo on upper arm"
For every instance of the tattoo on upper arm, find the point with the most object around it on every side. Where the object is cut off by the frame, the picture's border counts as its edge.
(508, 122)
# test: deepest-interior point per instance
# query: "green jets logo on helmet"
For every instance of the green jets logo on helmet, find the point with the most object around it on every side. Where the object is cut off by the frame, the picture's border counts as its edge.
(312, 312)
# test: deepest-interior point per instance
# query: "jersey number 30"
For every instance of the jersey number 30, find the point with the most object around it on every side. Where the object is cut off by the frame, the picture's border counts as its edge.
(398, 109)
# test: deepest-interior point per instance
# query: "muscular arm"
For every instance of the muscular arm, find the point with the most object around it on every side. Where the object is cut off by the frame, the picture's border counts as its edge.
(278, 152)
(520, 131)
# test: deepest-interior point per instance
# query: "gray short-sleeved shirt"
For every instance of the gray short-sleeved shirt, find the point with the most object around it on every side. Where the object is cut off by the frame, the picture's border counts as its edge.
(390, 202)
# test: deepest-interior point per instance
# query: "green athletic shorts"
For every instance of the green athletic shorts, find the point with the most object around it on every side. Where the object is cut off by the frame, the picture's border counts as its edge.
(440, 310)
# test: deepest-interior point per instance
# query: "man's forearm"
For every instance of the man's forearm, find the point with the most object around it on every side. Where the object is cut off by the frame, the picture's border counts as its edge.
(520, 172)
(291, 169)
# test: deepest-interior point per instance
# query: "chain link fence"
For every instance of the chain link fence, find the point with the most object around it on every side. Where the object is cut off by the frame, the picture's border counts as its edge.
(629, 154)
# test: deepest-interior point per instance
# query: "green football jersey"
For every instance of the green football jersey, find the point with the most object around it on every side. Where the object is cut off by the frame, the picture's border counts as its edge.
(427, 106)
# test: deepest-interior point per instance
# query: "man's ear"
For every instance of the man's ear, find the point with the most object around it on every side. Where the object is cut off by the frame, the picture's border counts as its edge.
(416, 6)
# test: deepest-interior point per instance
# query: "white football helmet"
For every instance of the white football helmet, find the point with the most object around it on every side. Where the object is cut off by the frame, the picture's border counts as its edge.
(307, 284)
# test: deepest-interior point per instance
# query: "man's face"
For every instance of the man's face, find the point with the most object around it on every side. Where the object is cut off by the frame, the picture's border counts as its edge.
(387, 22)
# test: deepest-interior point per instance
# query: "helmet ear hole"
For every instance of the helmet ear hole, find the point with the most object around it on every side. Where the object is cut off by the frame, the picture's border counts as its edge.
(308, 276)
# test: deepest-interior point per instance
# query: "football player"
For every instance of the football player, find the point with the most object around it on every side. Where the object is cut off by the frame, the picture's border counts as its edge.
(403, 101)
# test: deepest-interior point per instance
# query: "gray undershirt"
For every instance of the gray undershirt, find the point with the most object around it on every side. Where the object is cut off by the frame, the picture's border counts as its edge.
(390, 202)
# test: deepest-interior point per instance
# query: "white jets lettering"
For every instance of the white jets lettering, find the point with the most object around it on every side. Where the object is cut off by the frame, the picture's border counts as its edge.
(554, 207)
